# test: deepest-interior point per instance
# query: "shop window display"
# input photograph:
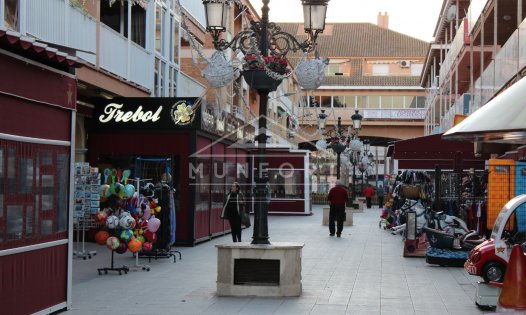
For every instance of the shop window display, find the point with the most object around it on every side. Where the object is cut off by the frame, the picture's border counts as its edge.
(286, 184)
(32, 208)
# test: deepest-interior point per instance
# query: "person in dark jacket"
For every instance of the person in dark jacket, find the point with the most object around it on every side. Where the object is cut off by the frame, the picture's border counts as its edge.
(337, 198)
(380, 194)
(232, 210)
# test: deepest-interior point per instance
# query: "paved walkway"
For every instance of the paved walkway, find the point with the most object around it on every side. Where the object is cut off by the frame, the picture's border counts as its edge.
(363, 272)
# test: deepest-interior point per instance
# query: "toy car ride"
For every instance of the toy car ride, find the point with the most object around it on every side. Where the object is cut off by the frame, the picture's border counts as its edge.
(489, 260)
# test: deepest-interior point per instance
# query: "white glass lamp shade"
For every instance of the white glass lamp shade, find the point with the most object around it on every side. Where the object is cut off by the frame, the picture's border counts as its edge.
(314, 13)
(357, 120)
(322, 120)
(216, 14)
(321, 144)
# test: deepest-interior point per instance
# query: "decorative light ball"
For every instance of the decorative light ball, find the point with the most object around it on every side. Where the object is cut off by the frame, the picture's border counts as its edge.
(356, 145)
(311, 73)
(126, 235)
(219, 71)
(321, 144)
(127, 222)
(101, 237)
(134, 245)
(112, 222)
(113, 243)
(101, 217)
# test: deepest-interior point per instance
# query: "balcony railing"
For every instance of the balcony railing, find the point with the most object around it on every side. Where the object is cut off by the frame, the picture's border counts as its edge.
(454, 50)
(56, 22)
(309, 115)
(508, 61)
(460, 107)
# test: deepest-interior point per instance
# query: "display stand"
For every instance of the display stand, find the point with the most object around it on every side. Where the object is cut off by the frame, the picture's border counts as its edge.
(120, 270)
(87, 199)
(163, 249)
(138, 266)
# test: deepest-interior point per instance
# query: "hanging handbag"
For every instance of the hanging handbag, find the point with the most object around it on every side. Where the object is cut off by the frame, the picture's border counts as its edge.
(410, 191)
(245, 219)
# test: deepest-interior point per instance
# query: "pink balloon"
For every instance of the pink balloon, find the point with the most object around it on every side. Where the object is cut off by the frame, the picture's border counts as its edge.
(147, 213)
(153, 224)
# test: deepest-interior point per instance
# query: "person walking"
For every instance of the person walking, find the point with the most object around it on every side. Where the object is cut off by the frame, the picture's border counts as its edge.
(380, 193)
(337, 198)
(368, 193)
(233, 210)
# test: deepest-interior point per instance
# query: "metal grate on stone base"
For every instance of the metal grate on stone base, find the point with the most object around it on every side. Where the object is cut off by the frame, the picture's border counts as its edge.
(260, 272)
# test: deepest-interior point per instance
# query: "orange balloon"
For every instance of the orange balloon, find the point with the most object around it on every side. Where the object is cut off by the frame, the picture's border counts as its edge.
(134, 245)
(101, 237)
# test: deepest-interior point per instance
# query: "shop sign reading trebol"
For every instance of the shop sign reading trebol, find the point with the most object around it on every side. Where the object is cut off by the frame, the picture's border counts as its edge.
(146, 113)
(113, 112)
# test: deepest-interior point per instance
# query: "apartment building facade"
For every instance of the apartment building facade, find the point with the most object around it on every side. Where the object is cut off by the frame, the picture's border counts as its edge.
(477, 54)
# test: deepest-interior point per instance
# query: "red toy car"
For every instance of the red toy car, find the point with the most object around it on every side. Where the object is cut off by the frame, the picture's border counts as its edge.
(489, 260)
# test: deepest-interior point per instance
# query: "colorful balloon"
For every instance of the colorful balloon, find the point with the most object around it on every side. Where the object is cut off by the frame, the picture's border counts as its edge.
(101, 237)
(127, 222)
(141, 239)
(129, 190)
(154, 224)
(147, 213)
(123, 247)
(126, 235)
(101, 217)
(113, 243)
(150, 236)
(112, 222)
(134, 245)
(147, 247)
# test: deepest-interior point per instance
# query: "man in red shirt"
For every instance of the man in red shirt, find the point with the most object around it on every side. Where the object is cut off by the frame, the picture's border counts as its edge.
(368, 193)
(337, 199)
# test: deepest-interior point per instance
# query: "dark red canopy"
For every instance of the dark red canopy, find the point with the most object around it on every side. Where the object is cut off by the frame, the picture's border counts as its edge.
(429, 151)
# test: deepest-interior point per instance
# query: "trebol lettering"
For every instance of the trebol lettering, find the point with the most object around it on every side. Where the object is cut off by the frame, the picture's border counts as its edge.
(114, 112)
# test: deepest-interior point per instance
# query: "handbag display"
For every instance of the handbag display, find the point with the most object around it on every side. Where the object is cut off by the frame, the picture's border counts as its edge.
(411, 191)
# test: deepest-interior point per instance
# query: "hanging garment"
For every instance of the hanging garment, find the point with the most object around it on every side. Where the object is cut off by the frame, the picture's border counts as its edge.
(172, 218)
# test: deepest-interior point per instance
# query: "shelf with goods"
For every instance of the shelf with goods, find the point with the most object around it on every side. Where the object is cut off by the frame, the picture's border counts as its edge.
(87, 203)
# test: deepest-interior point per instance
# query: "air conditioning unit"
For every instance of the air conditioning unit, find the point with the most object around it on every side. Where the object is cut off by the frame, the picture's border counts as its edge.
(405, 64)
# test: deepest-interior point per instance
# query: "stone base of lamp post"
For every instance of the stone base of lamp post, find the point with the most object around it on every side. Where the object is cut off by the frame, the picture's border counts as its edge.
(245, 269)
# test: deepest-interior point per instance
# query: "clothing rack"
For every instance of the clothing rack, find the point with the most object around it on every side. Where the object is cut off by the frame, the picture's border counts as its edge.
(162, 248)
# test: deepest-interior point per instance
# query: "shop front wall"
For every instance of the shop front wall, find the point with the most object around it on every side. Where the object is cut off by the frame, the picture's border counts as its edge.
(36, 106)
(218, 189)
(203, 176)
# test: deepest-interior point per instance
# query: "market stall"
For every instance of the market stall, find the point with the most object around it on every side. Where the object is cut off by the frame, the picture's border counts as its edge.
(37, 105)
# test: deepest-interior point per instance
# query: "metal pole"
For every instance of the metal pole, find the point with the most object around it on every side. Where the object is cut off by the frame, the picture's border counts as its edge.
(260, 235)
(338, 153)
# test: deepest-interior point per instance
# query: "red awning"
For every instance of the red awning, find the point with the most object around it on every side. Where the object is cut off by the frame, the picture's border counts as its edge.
(30, 48)
(429, 151)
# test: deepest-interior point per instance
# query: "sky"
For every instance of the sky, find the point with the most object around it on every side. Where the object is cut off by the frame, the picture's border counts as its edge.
(416, 18)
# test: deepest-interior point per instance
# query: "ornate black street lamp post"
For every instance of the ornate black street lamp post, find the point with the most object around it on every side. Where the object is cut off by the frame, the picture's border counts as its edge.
(263, 38)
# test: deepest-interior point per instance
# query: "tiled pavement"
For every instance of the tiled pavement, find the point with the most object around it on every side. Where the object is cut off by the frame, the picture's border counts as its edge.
(363, 272)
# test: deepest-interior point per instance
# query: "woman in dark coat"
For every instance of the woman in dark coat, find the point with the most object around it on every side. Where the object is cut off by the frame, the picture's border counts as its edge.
(233, 209)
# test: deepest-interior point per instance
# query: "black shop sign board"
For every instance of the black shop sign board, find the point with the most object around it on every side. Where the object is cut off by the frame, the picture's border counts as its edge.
(146, 113)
